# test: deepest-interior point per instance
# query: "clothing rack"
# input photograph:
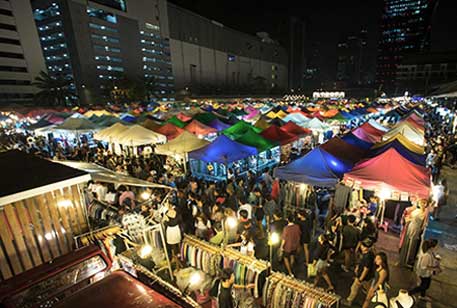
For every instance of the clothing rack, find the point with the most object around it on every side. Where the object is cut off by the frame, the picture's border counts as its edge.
(321, 297)
(201, 255)
(93, 236)
(149, 238)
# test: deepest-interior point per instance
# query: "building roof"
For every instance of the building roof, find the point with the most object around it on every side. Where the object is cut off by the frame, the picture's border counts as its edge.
(26, 175)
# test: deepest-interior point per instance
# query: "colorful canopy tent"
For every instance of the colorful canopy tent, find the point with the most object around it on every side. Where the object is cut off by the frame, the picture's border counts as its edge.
(239, 129)
(356, 141)
(293, 128)
(150, 124)
(276, 134)
(377, 125)
(368, 133)
(418, 159)
(97, 113)
(169, 130)
(223, 150)
(391, 171)
(343, 150)
(297, 118)
(185, 118)
(406, 129)
(199, 129)
(176, 122)
(205, 117)
(41, 123)
(109, 133)
(262, 124)
(253, 139)
(316, 124)
(137, 135)
(317, 168)
(404, 141)
(181, 145)
(80, 125)
(128, 118)
(218, 125)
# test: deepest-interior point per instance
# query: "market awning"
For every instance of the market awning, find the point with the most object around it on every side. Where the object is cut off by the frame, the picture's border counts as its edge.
(197, 128)
(317, 168)
(223, 150)
(184, 143)
(276, 134)
(408, 131)
(390, 170)
(368, 133)
(218, 125)
(343, 150)
(102, 174)
(77, 125)
(418, 159)
(404, 141)
(239, 129)
(356, 141)
(137, 135)
(293, 128)
(109, 133)
(253, 139)
(169, 130)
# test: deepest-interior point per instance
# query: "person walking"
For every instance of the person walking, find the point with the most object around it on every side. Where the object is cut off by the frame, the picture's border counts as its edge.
(351, 237)
(321, 262)
(364, 272)
(426, 267)
(381, 277)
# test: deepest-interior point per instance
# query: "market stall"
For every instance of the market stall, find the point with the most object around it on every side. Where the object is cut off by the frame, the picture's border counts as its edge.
(213, 161)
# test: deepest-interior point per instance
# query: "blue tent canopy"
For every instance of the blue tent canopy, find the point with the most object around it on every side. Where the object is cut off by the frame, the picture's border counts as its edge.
(223, 150)
(415, 158)
(356, 141)
(318, 168)
(218, 124)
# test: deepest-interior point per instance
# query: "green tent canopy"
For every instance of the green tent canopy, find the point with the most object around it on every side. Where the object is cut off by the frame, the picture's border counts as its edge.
(253, 139)
(177, 122)
(205, 117)
(239, 129)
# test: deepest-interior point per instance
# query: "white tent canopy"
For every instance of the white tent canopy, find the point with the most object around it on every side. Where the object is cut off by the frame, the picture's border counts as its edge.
(316, 124)
(109, 133)
(186, 142)
(137, 135)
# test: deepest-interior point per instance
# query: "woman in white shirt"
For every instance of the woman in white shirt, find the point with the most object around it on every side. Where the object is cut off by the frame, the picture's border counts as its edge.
(246, 245)
(426, 267)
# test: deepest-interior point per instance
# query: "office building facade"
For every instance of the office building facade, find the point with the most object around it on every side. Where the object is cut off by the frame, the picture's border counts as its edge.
(405, 29)
(352, 60)
(208, 57)
(97, 44)
(21, 59)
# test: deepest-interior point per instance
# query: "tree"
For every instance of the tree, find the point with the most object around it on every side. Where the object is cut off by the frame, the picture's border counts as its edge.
(53, 89)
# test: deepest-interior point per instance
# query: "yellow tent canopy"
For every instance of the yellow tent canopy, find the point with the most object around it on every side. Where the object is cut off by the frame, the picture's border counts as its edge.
(262, 124)
(404, 141)
(408, 131)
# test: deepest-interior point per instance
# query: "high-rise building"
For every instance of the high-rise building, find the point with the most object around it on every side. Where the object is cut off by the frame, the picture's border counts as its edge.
(352, 60)
(405, 29)
(209, 57)
(97, 43)
(21, 59)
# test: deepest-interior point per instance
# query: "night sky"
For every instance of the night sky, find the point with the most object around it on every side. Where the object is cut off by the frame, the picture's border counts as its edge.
(328, 21)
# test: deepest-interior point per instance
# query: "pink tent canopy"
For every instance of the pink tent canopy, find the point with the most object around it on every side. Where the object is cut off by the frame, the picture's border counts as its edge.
(183, 117)
(368, 133)
(390, 170)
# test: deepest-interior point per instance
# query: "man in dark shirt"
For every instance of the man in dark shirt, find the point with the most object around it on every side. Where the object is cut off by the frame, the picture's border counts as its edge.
(364, 271)
(351, 237)
(306, 228)
(290, 243)
(224, 297)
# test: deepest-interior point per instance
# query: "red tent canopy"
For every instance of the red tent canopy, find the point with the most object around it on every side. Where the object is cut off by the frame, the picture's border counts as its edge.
(169, 130)
(318, 115)
(183, 117)
(198, 128)
(274, 133)
(293, 128)
(368, 133)
(343, 150)
(392, 171)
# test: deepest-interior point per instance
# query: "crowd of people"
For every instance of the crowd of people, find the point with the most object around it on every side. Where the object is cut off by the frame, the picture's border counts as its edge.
(248, 214)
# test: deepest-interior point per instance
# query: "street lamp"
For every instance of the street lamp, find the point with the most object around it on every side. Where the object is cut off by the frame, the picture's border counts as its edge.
(273, 240)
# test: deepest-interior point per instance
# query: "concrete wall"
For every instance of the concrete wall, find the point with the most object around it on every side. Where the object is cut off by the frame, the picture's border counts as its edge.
(200, 50)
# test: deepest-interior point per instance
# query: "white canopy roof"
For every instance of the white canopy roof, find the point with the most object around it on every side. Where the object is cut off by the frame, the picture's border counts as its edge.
(186, 142)
(109, 133)
(137, 135)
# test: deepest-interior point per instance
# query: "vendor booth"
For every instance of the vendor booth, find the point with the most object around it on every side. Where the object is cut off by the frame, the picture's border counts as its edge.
(134, 140)
(43, 203)
(213, 161)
